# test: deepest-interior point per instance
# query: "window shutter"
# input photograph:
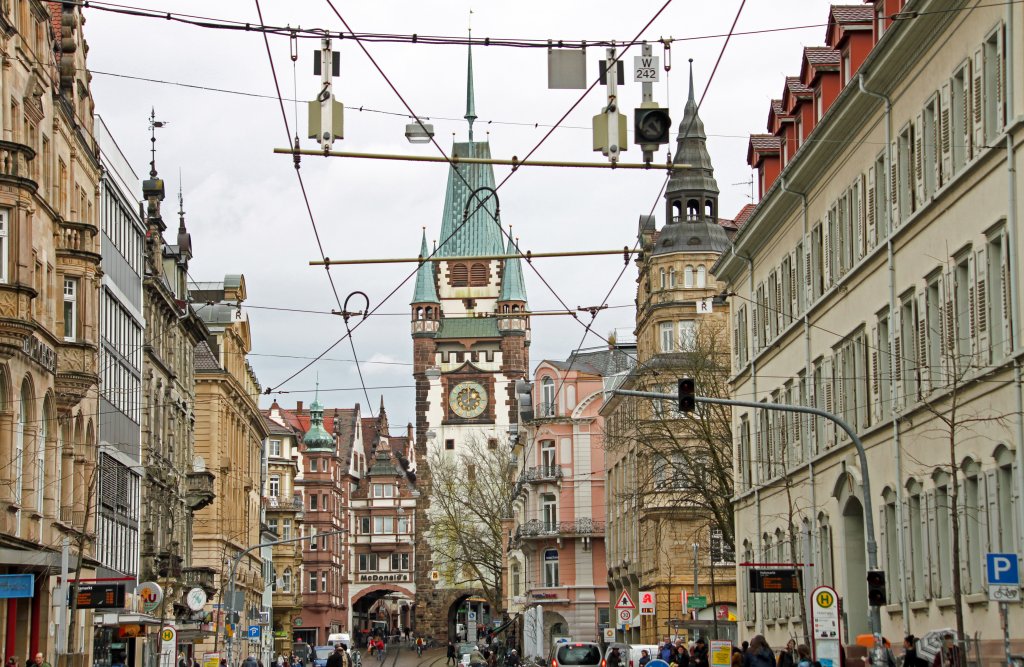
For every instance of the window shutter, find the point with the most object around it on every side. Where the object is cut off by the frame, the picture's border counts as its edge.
(829, 379)
(979, 92)
(826, 251)
(858, 216)
(918, 162)
(794, 286)
(779, 319)
(950, 334)
(807, 277)
(945, 128)
(972, 319)
(894, 197)
(981, 304)
(756, 306)
(1005, 296)
(992, 509)
(931, 544)
(875, 375)
(1000, 71)
(922, 346)
(869, 240)
(908, 548)
(965, 546)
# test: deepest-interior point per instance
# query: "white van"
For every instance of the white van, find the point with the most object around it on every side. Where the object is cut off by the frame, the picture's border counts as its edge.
(340, 638)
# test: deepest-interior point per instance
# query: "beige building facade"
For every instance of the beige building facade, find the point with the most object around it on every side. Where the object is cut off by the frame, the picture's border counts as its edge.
(878, 279)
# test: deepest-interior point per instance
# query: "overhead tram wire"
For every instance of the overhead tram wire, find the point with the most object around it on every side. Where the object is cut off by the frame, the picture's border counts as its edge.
(480, 205)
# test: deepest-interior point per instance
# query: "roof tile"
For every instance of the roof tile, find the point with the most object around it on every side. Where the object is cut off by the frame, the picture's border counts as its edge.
(765, 142)
(852, 13)
(204, 359)
(796, 87)
(821, 55)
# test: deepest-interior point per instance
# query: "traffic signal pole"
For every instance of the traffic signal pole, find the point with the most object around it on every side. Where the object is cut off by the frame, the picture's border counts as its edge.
(871, 546)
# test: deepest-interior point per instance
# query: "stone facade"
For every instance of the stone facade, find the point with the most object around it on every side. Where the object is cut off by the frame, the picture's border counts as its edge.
(49, 318)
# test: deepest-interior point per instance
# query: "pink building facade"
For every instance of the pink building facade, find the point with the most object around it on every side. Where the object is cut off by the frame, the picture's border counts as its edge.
(556, 554)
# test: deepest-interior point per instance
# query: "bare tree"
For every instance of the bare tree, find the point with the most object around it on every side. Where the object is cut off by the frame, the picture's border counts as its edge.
(471, 492)
(684, 461)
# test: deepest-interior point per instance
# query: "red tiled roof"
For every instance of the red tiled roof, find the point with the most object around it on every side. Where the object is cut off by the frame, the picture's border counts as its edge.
(765, 142)
(852, 13)
(777, 108)
(345, 418)
(743, 215)
(821, 56)
(796, 87)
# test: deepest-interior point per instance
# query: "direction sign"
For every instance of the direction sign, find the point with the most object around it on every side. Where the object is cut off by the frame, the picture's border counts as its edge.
(625, 602)
(697, 602)
(254, 632)
(647, 603)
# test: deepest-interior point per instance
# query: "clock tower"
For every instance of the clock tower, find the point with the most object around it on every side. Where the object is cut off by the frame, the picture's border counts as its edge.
(471, 338)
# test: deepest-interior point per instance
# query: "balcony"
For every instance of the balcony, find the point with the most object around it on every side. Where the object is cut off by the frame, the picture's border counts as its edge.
(541, 474)
(546, 410)
(76, 373)
(537, 529)
(199, 489)
(14, 164)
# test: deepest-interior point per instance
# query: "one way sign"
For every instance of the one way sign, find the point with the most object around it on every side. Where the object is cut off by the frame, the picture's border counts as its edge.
(625, 602)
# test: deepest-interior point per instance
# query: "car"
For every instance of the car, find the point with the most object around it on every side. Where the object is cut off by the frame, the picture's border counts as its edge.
(340, 638)
(575, 654)
(320, 655)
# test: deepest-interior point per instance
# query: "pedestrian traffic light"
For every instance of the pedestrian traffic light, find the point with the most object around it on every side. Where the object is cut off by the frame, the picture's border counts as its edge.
(651, 126)
(876, 588)
(687, 395)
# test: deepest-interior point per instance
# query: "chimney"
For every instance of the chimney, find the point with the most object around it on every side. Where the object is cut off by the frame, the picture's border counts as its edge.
(298, 406)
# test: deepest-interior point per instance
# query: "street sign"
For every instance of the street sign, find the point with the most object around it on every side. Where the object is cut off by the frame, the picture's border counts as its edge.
(625, 615)
(254, 632)
(1003, 578)
(646, 69)
(697, 602)
(609, 634)
(825, 624)
(774, 580)
(196, 599)
(625, 602)
(17, 586)
(471, 616)
(168, 634)
(647, 603)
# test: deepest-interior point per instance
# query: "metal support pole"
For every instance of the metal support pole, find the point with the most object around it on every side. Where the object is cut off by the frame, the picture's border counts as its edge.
(62, 599)
(234, 566)
(612, 110)
(871, 547)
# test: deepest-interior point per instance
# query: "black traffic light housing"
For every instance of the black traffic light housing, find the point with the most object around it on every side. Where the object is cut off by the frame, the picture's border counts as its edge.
(687, 395)
(651, 126)
(876, 588)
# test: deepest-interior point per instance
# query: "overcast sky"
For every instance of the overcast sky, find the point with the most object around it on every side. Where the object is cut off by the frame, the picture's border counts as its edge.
(246, 214)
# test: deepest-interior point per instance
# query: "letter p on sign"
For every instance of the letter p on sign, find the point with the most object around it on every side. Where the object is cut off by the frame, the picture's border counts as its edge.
(1003, 570)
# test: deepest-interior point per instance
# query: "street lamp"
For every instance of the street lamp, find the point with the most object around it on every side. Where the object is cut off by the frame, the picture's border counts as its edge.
(419, 132)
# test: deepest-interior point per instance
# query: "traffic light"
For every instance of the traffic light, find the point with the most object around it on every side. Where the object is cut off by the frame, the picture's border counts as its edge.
(876, 588)
(651, 126)
(687, 395)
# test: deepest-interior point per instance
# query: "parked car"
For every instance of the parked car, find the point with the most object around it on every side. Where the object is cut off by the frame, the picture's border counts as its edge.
(575, 654)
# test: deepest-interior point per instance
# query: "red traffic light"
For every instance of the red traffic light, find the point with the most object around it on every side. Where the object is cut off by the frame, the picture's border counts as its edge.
(687, 395)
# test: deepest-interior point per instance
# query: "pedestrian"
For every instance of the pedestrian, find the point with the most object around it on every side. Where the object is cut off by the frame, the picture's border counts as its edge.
(645, 657)
(881, 655)
(339, 658)
(700, 653)
(452, 657)
(512, 659)
(682, 658)
(195, 662)
(614, 658)
(803, 656)
(250, 661)
(910, 657)
(949, 654)
(759, 654)
(787, 657)
(40, 660)
(737, 656)
(744, 647)
(666, 651)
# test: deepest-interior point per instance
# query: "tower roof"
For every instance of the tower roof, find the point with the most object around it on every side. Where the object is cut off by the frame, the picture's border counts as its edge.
(426, 285)
(512, 286)
(317, 438)
(691, 149)
(481, 234)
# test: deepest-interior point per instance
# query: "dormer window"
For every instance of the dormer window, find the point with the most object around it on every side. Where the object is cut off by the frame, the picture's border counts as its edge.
(459, 275)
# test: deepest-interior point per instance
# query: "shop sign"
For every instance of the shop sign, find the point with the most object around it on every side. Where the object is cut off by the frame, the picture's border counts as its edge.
(382, 577)
(16, 585)
(151, 595)
(130, 631)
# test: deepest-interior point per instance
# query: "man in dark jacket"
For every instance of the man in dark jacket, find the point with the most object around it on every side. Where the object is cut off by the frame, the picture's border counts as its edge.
(339, 658)
(700, 653)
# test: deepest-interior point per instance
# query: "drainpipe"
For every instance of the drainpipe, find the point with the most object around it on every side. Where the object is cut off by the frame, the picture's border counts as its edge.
(808, 374)
(891, 265)
(756, 422)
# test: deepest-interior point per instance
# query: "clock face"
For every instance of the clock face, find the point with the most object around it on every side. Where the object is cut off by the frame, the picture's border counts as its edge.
(468, 399)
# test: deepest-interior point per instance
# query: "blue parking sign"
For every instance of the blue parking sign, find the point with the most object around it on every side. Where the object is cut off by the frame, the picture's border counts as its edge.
(1003, 570)
(254, 632)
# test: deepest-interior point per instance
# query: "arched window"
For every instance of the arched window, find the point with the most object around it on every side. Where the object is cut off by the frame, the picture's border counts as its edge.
(688, 276)
(19, 450)
(478, 275)
(44, 435)
(430, 313)
(677, 211)
(547, 397)
(661, 273)
(286, 580)
(692, 210)
(702, 276)
(459, 275)
(672, 277)
(709, 209)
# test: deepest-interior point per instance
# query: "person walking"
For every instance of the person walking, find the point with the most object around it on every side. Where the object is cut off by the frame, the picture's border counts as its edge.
(881, 655)
(787, 657)
(614, 658)
(803, 656)
(910, 657)
(700, 653)
(666, 651)
(682, 657)
(419, 645)
(949, 654)
(340, 657)
(452, 657)
(645, 657)
(512, 659)
(759, 654)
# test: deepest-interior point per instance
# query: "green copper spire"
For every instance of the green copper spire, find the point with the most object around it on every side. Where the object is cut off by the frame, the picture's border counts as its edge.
(426, 287)
(470, 102)
(317, 438)
(512, 286)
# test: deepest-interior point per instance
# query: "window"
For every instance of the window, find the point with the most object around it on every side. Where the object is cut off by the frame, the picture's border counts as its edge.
(688, 276)
(960, 106)
(383, 525)
(702, 276)
(907, 350)
(286, 580)
(286, 529)
(672, 277)
(916, 546)
(492, 443)
(994, 85)
(549, 511)
(478, 274)
(368, 562)
(817, 263)
(313, 504)
(272, 525)
(877, 205)
(274, 489)
(323, 503)
(275, 448)
(383, 490)
(399, 562)
(364, 525)
(312, 582)
(551, 569)
(943, 526)
(459, 275)
(963, 291)
(449, 444)
(972, 507)
(312, 539)
(928, 142)
(667, 336)
(547, 397)
(994, 296)
(5, 215)
(847, 73)
(819, 108)
(547, 454)
(883, 367)
(70, 309)
(890, 541)
(905, 173)
(312, 465)
(687, 336)
(740, 342)
(323, 581)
